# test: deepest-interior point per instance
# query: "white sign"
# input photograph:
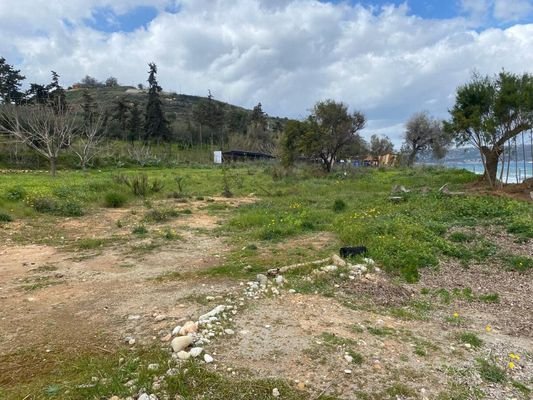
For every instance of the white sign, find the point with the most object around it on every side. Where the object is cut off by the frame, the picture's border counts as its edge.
(217, 157)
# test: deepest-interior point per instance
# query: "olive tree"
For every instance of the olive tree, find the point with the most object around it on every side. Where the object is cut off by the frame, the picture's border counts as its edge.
(424, 133)
(489, 112)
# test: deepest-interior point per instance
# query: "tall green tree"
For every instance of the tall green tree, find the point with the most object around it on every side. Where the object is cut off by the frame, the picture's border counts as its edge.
(327, 131)
(120, 113)
(380, 145)
(135, 122)
(424, 133)
(56, 95)
(491, 111)
(88, 106)
(10, 83)
(155, 124)
(209, 113)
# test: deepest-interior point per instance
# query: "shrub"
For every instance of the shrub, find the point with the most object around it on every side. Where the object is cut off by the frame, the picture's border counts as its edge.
(490, 372)
(115, 199)
(140, 230)
(339, 205)
(45, 205)
(470, 338)
(160, 215)
(5, 217)
(16, 194)
(70, 208)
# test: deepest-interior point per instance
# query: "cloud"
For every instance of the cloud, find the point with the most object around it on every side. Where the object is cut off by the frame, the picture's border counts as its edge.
(285, 54)
(500, 10)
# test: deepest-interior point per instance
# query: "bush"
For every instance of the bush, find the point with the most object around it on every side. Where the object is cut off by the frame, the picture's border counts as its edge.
(16, 194)
(140, 230)
(70, 208)
(5, 217)
(115, 199)
(48, 205)
(160, 215)
(339, 205)
(45, 205)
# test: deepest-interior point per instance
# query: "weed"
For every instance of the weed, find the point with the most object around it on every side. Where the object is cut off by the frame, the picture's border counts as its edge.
(169, 234)
(339, 205)
(89, 244)
(160, 215)
(399, 390)
(115, 199)
(490, 371)
(519, 263)
(17, 193)
(460, 237)
(470, 338)
(357, 358)
(490, 298)
(139, 230)
(5, 217)
(521, 387)
(384, 331)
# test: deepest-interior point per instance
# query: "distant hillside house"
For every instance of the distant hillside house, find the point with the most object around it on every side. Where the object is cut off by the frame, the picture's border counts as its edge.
(242, 155)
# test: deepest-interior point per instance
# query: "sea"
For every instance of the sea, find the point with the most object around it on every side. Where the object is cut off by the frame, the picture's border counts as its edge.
(516, 173)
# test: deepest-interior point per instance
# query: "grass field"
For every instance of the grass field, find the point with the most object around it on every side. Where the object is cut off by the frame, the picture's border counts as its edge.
(405, 237)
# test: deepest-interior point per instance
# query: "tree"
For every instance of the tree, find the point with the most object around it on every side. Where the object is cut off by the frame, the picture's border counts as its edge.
(41, 128)
(328, 130)
(120, 112)
(111, 82)
(489, 112)
(88, 107)
(294, 131)
(258, 119)
(37, 94)
(379, 146)
(89, 82)
(424, 133)
(135, 122)
(210, 114)
(10, 82)
(155, 124)
(56, 95)
(90, 135)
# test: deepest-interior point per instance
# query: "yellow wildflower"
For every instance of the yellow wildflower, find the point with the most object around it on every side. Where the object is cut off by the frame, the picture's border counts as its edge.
(456, 315)
(511, 365)
(488, 328)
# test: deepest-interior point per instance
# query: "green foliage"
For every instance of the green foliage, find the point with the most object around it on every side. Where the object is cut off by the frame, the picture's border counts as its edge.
(339, 205)
(115, 199)
(65, 208)
(139, 230)
(161, 215)
(89, 244)
(519, 263)
(5, 217)
(470, 338)
(17, 193)
(490, 371)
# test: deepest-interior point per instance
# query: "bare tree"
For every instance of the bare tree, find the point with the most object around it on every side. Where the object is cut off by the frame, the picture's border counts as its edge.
(41, 128)
(91, 134)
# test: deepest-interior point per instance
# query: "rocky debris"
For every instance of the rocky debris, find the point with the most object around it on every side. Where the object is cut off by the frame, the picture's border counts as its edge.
(262, 280)
(160, 317)
(273, 272)
(229, 331)
(145, 396)
(188, 328)
(176, 330)
(184, 355)
(348, 371)
(181, 343)
(275, 392)
(280, 280)
(195, 352)
(348, 358)
(214, 312)
(153, 367)
(208, 359)
(339, 262)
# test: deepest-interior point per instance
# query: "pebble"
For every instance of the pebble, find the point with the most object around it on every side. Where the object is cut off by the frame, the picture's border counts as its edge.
(176, 330)
(262, 279)
(208, 359)
(229, 331)
(153, 367)
(280, 280)
(336, 260)
(189, 327)
(134, 317)
(348, 358)
(215, 311)
(196, 351)
(347, 371)
(131, 342)
(275, 392)
(180, 343)
(160, 318)
(300, 386)
(184, 355)
(166, 338)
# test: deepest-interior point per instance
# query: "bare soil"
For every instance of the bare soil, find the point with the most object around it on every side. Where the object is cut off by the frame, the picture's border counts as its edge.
(57, 298)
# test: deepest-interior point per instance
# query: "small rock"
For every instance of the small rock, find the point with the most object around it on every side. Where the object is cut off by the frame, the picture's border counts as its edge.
(210, 298)
(189, 327)
(180, 343)
(348, 358)
(262, 279)
(330, 268)
(300, 386)
(131, 342)
(468, 345)
(336, 260)
(176, 330)
(153, 367)
(292, 291)
(160, 318)
(134, 317)
(280, 280)
(215, 311)
(166, 338)
(196, 351)
(275, 392)
(229, 331)
(208, 359)
(348, 371)
(184, 355)
(114, 398)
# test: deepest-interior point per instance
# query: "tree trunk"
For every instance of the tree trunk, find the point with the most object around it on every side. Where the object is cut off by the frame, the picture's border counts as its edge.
(492, 157)
(411, 159)
(53, 166)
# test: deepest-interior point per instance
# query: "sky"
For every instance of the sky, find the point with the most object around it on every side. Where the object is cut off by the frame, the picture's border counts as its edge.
(386, 58)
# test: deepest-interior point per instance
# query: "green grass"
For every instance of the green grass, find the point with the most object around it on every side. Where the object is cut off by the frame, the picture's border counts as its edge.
(519, 263)
(490, 371)
(470, 338)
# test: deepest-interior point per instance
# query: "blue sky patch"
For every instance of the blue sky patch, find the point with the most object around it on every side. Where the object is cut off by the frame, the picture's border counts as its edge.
(104, 19)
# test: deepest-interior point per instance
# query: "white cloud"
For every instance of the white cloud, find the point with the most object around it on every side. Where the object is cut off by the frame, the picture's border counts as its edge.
(514, 10)
(286, 54)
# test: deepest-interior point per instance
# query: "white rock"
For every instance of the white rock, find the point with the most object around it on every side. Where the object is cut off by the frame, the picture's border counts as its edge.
(215, 311)
(348, 358)
(208, 359)
(131, 342)
(280, 280)
(292, 291)
(336, 260)
(229, 331)
(369, 261)
(180, 343)
(176, 330)
(183, 355)
(347, 371)
(330, 268)
(196, 351)
(210, 298)
(275, 392)
(160, 318)
(134, 317)
(153, 367)
(262, 279)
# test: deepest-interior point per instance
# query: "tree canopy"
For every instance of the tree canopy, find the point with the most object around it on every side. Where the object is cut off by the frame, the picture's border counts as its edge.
(490, 111)
(10, 83)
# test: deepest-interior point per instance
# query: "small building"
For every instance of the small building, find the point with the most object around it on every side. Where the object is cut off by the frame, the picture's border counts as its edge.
(242, 155)
(388, 160)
